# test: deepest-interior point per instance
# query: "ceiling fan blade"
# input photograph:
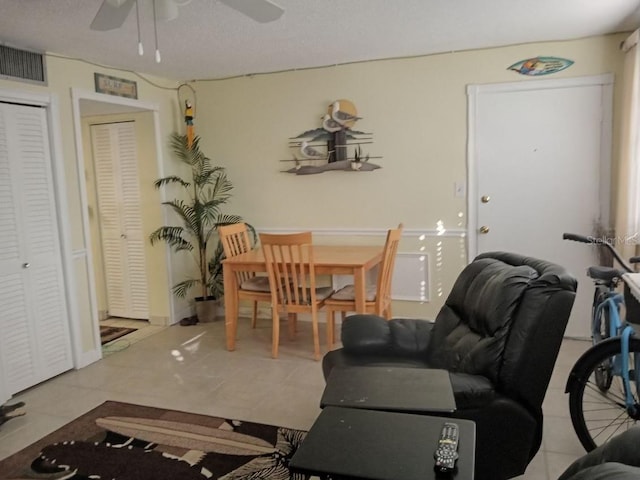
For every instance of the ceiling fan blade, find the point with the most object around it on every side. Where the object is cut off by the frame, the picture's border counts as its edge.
(262, 11)
(110, 17)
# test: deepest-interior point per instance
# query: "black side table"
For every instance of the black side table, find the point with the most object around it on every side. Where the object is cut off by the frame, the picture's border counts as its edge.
(377, 445)
(390, 388)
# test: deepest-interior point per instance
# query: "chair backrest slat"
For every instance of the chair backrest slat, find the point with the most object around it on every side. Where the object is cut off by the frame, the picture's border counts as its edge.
(235, 241)
(385, 272)
(289, 260)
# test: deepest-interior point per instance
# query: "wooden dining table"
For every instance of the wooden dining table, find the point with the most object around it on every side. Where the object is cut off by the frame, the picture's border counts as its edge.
(353, 260)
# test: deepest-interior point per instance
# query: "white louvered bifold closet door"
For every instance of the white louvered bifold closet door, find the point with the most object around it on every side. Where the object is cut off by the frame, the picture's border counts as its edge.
(117, 185)
(35, 335)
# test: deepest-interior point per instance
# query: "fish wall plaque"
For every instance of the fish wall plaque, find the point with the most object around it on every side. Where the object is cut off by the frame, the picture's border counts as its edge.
(540, 65)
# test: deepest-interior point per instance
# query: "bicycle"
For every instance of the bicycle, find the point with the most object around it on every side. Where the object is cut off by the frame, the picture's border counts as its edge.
(604, 384)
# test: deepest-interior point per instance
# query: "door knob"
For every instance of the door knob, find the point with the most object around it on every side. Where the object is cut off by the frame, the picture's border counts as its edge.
(484, 229)
(485, 199)
(122, 235)
(26, 265)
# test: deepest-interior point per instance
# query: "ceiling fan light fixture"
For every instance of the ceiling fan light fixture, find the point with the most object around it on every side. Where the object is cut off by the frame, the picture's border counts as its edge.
(140, 49)
(155, 30)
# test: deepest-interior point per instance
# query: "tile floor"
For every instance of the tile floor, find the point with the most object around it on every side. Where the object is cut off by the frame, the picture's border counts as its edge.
(188, 368)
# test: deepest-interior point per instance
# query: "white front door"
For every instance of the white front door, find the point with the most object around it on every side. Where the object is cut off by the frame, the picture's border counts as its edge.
(539, 160)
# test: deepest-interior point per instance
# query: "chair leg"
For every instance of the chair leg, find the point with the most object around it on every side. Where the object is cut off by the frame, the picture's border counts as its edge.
(275, 339)
(331, 332)
(254, 318)
(291, 323)
(316, 337)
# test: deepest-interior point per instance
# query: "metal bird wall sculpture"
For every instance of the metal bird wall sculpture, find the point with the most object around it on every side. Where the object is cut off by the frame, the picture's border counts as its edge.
(327, 148)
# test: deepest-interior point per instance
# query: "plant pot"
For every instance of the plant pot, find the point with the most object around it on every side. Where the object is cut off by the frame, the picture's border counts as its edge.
(206, 309)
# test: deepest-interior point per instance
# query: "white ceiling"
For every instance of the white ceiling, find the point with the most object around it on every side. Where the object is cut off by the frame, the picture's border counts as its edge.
(211, 40)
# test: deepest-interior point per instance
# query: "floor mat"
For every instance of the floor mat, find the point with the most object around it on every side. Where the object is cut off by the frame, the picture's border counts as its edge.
(134, 442)
(108, 334)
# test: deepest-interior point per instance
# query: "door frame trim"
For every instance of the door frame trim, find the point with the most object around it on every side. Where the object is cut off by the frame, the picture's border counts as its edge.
(475, 90)
(77, 95)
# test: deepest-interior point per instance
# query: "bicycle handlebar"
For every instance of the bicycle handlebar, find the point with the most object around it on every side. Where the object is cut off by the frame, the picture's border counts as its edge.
(603, 242)
(578, 238)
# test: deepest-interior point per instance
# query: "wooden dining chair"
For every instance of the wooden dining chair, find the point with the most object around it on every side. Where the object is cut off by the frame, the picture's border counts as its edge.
(292, 278)
(251, 287)
(378, 296)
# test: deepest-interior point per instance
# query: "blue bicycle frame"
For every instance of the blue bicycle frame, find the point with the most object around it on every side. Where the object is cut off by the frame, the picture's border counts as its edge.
(620, 365)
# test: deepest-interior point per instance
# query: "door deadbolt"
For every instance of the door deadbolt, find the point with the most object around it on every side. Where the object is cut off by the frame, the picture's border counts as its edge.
(26, 265)
(484, 229)
(485, 199)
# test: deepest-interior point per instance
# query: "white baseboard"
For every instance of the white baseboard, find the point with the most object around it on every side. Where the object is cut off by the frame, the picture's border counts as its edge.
(87, 358)
(159, 321)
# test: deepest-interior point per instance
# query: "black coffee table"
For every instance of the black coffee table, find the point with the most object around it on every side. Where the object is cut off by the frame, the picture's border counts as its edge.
(390, 388)
(377, 445)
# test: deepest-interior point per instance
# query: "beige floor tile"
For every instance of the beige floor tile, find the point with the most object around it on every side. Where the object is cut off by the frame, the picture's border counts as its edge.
(559, 437)
(556, 403)
(99, 375)
(189, 369)
(537, 469)
(557, 463)
(291, 406)
(27, 429)
(54, 398)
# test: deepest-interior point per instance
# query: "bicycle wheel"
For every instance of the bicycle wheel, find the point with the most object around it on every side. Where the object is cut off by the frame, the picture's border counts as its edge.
(598, 414)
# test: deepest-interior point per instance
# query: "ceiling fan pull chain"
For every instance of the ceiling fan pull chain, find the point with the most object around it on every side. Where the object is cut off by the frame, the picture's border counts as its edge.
(155, 29)
(140, 49)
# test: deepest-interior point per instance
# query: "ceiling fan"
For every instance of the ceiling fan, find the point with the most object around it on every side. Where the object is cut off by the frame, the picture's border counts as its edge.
(113, 13)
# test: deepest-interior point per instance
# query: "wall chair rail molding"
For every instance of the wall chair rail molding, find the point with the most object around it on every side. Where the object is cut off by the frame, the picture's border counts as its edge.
(369, 232)
(412, 280)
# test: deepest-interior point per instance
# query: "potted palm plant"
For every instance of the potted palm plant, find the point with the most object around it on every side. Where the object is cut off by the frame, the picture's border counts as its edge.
(199, 211)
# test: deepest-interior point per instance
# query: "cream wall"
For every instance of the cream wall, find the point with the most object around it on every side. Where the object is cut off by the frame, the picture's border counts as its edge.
(417, 111)
(63, 75)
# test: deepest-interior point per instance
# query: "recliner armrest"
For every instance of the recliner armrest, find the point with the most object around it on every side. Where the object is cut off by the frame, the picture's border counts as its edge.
(371, 334)
(365, 334)
(471, 391)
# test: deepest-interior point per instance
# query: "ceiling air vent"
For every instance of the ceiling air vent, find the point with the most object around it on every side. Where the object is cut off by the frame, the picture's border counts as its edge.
(23, 65)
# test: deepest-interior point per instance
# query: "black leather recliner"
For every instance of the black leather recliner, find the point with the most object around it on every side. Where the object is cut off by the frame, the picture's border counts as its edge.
(498, 334)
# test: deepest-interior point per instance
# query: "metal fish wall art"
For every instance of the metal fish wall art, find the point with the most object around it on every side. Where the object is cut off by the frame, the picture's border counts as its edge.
(540, 65)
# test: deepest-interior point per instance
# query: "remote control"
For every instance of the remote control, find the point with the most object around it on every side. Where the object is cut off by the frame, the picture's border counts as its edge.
(447, 452)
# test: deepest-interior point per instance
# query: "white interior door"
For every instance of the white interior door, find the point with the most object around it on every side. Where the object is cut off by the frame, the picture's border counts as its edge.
(35, 340)
(117, 185)
(540, 153)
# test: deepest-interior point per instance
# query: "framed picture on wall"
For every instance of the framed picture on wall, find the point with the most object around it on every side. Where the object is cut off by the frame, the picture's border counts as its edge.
(115, 86)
